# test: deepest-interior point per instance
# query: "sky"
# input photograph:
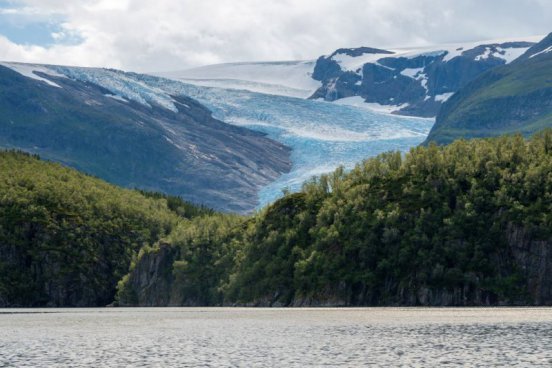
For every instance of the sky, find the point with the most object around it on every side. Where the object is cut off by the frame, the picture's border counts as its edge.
(165, 35)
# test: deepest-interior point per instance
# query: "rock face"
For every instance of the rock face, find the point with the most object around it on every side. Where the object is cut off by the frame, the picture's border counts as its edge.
(534, 259)
(415, 82)
(113, 125)
(151, 282)
(509, 99)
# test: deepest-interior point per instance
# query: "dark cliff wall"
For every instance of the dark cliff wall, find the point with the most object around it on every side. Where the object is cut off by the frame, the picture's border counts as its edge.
(151, 283)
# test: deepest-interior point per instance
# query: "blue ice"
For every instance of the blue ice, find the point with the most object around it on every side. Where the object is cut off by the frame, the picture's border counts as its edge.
(322, 135)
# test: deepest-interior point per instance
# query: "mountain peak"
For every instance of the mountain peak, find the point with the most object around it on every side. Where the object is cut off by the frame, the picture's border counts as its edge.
(542, 48)
(359, 51)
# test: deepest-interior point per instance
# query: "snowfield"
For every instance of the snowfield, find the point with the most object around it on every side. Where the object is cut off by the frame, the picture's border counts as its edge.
(285, 78)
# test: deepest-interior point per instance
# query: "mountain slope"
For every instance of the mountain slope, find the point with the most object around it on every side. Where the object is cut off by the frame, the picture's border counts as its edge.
(110, 124)
(513, 98)
(412, 81)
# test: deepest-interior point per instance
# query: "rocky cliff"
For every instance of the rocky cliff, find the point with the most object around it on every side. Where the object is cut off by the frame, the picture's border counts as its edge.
(151, 283)
(414, 82)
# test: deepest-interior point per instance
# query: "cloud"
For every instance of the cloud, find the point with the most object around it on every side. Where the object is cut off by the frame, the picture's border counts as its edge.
(145, 35)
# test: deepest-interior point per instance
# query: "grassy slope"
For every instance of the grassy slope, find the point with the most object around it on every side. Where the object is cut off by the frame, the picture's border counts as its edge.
(509, 99)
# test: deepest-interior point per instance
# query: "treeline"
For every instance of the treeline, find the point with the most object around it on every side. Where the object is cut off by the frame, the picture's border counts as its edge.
(465, 224)
(66, 238)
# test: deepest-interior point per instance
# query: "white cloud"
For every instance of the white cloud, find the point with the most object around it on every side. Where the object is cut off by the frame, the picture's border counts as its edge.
(147, 35)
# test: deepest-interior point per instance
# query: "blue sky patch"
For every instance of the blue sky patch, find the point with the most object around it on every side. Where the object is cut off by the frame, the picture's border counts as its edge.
(28, 28)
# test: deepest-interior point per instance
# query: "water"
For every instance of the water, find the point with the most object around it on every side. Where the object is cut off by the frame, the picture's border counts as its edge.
(221, 337)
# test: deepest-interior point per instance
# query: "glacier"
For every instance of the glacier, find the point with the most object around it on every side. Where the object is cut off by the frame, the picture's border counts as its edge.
(322, 135)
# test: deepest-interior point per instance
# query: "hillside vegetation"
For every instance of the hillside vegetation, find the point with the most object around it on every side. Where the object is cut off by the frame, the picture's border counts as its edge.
(465, 224)
(67, 238)
(505, 100)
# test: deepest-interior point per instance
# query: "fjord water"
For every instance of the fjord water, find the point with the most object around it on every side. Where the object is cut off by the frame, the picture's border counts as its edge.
(234, 337)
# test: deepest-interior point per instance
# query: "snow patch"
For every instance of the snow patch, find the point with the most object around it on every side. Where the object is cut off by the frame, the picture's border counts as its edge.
(443, 97)
(412, 72)
(354, 63)
(508, 54)
(357, 101)
(116, 97)
(485, 54)
(545, 51)
(29, 71)
(511, 54)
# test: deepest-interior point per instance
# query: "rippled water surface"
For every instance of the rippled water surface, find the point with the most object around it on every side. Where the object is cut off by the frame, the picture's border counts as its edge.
(276, 337)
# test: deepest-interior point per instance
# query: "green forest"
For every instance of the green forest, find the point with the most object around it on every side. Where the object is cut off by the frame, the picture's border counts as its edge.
(465, 224)
(66, 238)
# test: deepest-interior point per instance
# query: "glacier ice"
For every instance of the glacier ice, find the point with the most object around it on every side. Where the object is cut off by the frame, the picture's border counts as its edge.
(322, 135)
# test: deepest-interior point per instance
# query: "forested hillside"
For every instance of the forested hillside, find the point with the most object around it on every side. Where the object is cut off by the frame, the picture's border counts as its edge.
(465, 224)
(67, 238)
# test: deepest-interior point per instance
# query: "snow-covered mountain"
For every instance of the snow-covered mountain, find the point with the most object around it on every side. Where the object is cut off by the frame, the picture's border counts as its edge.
(148, 131)
(115, 126)
(413, 81)
(406, 81)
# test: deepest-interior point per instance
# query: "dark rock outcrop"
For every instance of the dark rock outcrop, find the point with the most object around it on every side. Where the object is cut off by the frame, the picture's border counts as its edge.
(534, 260)
(151, 282)
(416, 84)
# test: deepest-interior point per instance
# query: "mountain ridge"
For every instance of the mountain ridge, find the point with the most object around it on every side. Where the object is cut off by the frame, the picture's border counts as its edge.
(416, 93)
(513, 98)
